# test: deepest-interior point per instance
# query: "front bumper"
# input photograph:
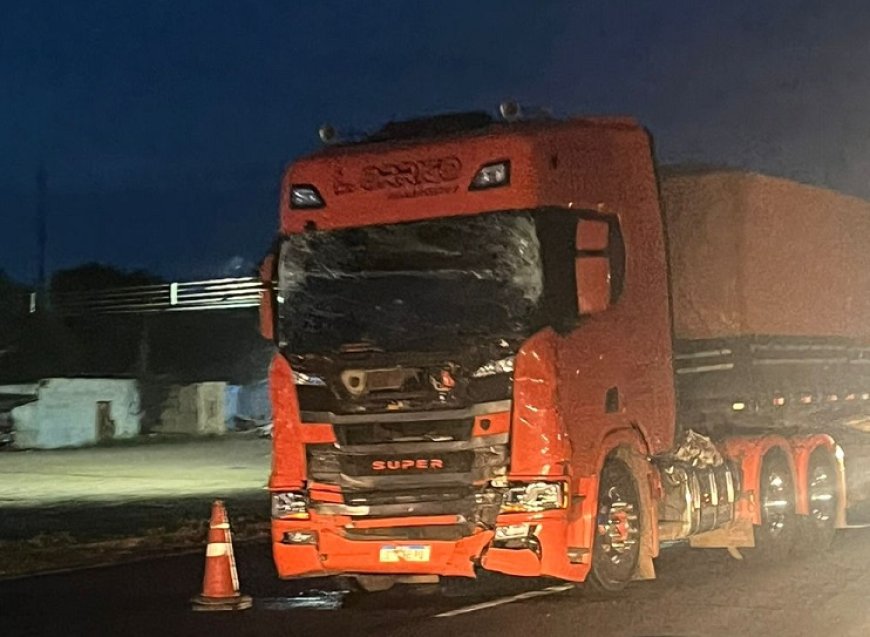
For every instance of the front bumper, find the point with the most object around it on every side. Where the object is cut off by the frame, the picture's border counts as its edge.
(333, 553)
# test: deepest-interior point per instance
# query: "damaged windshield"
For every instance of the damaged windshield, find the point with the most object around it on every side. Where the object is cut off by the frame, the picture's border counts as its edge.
(419, 285)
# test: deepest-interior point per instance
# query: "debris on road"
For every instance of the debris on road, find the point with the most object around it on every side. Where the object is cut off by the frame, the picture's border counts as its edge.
(313, 599)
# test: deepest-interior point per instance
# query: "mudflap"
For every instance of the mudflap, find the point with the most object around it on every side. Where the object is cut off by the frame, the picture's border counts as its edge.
(739, 534)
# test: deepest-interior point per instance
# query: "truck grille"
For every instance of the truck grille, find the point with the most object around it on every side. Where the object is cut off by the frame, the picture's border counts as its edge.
(365, 471)
(411, 464)
(396, 432)
(442, 532)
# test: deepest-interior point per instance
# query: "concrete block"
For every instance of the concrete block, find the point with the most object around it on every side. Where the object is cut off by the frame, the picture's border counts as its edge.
(196, 409)
(72, 412)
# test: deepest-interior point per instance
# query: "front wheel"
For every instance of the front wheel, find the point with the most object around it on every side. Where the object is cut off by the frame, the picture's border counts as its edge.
(616, 548)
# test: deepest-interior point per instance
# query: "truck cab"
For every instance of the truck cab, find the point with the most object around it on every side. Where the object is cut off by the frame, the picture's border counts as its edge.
(475, 366)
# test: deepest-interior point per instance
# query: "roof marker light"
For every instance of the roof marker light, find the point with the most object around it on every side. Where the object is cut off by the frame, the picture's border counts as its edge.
(327, 134)
(492, 176)
(305, 196)
(510, 111)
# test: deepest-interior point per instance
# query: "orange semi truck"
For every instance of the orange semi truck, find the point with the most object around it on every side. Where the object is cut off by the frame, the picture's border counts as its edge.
(510, 344)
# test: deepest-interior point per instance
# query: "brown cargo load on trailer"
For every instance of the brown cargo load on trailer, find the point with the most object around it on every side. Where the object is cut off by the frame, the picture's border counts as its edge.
(758, 255)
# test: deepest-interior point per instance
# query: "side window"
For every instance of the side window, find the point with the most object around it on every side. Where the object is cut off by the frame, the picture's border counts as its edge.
(599, 265)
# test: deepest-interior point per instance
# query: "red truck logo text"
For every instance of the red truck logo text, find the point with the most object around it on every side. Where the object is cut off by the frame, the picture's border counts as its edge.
(413, 178)
(402, 465)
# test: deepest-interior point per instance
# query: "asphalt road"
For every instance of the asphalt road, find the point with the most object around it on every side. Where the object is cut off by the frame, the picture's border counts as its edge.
(698, 593)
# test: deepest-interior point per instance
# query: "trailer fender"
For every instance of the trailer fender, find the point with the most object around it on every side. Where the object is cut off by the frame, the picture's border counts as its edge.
(749, 454)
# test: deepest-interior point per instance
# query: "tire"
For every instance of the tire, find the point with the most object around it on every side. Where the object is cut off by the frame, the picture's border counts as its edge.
(375, 583)
(819, 527)
(616, 548)
(778, 532)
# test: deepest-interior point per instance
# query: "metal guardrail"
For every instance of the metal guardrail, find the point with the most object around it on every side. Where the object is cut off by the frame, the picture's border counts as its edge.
(190, 296)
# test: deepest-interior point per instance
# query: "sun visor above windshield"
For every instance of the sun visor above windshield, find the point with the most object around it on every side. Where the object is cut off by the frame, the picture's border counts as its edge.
(423, 181)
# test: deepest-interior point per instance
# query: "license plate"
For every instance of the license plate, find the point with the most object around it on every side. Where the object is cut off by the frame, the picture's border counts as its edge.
(409, 553)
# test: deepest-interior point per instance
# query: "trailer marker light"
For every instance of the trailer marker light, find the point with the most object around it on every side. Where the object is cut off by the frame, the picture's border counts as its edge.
(492, 176)
(738, 406)
(304, 196)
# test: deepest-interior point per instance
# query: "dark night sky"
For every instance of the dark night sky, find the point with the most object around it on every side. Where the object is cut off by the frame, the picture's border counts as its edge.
(164, 125)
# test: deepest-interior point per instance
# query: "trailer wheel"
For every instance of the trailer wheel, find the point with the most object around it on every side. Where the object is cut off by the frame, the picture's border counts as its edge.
(777, 534)
(616, 547)
(819, 527)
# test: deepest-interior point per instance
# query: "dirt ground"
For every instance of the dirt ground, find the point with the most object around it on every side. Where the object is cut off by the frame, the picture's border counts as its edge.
(61, 509)
(120, 473)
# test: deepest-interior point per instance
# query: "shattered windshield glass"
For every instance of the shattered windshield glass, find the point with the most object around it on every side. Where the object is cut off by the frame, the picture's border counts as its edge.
(419, 285)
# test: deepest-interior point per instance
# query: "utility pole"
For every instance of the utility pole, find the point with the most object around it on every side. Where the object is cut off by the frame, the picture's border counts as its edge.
(41, 230)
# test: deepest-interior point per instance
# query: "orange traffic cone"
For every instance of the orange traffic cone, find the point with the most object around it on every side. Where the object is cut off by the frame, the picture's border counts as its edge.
(220, 585)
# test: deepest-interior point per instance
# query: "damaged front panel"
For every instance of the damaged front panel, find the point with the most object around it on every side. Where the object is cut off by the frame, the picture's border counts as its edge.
(421, 315)
(403, 340)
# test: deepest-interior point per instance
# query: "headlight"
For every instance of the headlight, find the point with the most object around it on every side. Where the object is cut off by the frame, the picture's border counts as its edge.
(299, 537)
(534, 496)
(502, 366)
(492, 176)
(301, 378)
(512, 532)
(290, 504)
(305, 196)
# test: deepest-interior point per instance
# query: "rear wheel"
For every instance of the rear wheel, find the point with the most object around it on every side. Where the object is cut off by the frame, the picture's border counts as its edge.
(818, 528)
(616, 548)
(777, 533)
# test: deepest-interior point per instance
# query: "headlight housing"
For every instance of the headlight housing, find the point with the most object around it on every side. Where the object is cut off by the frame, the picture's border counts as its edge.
(501, 366)
(305, 196)
(533, 497)
(290, 505)
(299, 537)
(492, 176)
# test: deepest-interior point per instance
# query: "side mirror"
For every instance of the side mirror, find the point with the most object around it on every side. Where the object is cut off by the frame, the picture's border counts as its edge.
(592, 266)
(267, 297)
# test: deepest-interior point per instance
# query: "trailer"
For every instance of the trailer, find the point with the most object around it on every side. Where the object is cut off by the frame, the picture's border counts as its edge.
(511, 344)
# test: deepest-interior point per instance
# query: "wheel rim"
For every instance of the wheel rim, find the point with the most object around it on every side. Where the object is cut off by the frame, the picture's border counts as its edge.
(777, 501)
(822, 493)
(618, 527)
